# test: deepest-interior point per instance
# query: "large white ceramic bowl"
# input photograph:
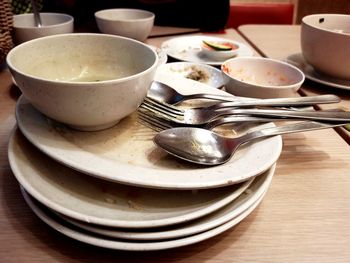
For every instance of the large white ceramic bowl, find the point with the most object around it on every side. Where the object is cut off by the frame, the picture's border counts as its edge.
(87, 81)
(133, 23)
(261, 77)
(325, 43)
(24, 28)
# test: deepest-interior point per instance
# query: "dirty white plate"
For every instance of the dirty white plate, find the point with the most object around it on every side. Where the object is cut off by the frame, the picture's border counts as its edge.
(255, 191)
(198, 72)
(106, 203)
(119, 244)
(188, 48)
(126, 153)
(299, 61)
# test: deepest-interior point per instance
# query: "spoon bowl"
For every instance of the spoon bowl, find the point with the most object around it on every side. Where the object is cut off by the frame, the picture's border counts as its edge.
(195, 145)
(205, 147)
(164, 93)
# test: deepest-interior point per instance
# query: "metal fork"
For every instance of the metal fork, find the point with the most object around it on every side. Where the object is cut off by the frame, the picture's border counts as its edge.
(156, 123)
(201, 116)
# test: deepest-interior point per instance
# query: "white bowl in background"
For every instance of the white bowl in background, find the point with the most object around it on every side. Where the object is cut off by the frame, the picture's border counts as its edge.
(325, 43)
(133, 23)
(258, 77)
(87, 81)
(24, 28)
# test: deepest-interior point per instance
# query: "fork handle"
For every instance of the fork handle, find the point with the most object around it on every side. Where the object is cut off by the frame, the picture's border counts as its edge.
(227, 98)
(289, 128)
(279, 102)
(308, 115)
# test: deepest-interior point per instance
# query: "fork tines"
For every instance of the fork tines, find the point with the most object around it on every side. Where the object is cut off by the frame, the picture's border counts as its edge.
(161, 107)
(150, 120)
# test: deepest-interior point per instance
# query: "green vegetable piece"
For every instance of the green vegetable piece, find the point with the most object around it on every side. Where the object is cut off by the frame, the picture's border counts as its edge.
(216, 46)
(347, 127)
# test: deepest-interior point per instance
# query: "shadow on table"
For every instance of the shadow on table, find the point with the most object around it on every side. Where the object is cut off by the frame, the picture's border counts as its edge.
(317, 87)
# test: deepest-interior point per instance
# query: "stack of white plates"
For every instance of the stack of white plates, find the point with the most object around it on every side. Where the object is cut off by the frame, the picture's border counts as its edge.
(116, 189)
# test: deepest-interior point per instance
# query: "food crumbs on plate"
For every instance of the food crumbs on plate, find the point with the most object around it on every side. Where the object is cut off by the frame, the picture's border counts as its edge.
(110, 200)
(192, 72)
(248, 191)
(135, 206)
(198, 75)
(227, 133)
(195, 145)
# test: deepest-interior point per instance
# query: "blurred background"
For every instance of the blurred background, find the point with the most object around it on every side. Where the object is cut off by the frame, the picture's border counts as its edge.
(305, 7)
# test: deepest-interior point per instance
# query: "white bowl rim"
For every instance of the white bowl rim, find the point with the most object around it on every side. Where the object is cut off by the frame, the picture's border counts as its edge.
(298, 83)
(324, 29)
(118, 80)
(98, 14)
(187, 63)
(69, 17)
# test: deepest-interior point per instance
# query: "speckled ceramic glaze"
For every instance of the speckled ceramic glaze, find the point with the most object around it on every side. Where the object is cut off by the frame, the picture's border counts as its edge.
(87, 81)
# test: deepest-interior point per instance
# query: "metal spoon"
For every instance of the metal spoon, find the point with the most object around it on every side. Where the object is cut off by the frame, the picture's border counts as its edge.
(208, 148)
(164, 93)
(37, 18)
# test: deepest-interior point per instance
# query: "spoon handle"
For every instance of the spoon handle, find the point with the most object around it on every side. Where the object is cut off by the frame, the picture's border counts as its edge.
(279, 102)
(227, 98)
(289, 128)
(339, 116)
(37, 18)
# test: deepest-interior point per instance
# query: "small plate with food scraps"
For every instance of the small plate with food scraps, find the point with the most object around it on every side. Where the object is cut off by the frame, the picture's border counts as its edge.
(198, 72)
(205, 49)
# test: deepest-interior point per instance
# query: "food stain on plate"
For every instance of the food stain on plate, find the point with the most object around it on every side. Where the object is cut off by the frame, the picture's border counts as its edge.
(193, 71)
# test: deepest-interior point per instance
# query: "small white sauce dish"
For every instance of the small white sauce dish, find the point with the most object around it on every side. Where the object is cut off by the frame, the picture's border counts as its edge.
(258, 77)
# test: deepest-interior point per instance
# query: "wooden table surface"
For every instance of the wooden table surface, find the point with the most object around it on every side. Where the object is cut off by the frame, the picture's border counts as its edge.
(281, 41)
(303, 218)
(158, 31)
